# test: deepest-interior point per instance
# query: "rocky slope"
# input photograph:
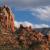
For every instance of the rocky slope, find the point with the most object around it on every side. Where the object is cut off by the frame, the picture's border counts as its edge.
(25, 38)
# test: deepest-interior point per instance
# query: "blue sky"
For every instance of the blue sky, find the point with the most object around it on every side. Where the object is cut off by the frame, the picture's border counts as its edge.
(33, 13)
(27, 16)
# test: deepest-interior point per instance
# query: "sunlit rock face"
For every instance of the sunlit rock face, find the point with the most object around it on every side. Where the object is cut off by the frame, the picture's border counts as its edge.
(6, 20)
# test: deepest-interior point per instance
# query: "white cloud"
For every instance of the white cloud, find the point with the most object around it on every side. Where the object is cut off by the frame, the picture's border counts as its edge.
(17, 24)
(42, 13)
(41, 25)
(41, 8)
(27, 3)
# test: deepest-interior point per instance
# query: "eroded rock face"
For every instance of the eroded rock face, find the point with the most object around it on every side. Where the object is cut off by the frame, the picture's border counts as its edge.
(9, 39)
(33, 39)
(26, 39)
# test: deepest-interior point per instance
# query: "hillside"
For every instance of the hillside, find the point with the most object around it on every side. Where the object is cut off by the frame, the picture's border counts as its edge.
(43, 30)
(33, 38)
(25, 38)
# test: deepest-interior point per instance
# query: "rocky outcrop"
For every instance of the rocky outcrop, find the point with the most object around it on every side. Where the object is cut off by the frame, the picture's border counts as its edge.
(8, 39)
(26, 37)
